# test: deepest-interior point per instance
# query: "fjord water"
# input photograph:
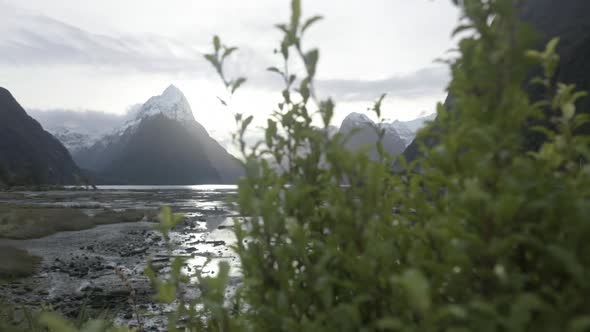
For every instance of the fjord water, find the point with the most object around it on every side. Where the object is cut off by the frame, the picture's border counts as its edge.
(197, 187)
(188, 199)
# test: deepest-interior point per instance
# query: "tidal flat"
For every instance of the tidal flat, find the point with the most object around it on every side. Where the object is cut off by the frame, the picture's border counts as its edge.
(72, 242)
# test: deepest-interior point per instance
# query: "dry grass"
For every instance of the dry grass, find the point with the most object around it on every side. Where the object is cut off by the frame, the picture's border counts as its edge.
(16, 263)
(28, 222)
(113, 217)
(11, 195)
(20, 221)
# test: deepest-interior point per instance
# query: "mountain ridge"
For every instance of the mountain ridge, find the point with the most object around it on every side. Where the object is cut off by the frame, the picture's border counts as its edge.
(28, 153)
(397, 134)
(162, 144)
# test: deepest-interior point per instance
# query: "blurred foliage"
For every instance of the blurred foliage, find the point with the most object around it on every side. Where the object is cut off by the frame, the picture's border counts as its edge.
(479, 234)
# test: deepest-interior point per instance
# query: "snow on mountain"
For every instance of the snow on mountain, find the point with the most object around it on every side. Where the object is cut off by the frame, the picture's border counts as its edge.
(77, 129)
(365, 135)
(416, 124)
(162, 143)
(73, 141)
(406, 130)
(171, 103)
(355, 120)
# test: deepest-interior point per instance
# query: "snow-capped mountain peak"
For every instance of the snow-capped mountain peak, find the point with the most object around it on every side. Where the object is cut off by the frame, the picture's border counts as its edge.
(171, 103)
(405, 130)
(355, 120)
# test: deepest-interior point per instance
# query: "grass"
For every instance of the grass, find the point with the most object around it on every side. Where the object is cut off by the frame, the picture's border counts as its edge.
(112, 217)
(21, 221)
(11, 195)
(16, 263)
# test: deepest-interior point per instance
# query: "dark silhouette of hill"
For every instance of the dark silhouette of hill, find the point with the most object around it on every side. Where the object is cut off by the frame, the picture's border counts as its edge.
(28, 153)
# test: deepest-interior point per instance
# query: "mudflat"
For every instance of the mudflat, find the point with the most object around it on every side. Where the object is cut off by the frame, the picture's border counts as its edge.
(76, 269)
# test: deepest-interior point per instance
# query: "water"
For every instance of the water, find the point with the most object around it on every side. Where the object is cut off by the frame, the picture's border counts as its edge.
(198, 187)
(192, 200)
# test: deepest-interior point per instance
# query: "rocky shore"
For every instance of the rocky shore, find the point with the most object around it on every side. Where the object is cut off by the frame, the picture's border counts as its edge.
(97, 271)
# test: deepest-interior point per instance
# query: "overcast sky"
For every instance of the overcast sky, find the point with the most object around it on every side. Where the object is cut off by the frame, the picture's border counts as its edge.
(110, 54)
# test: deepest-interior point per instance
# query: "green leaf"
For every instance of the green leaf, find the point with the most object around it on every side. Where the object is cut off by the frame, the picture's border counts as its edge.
(389, 323)
(552, 46)
(295, 14)
(417, 289)
(237, 83)
(461, 28)
(285, 49)
(569, 110)
(247, 122)
(271, 131)
(377, 105)
(275, 70)
(56, 323)
(216, 43)
(580, 324)
(569, 261)
(212, 59)
(228, 51)
(309, 22)
(166, 292)
(94, 325)
(222, 101)
(311, 60)
(304, 89)
(283, 28)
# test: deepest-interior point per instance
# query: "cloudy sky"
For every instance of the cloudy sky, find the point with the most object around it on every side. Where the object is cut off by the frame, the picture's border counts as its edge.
(108, 55)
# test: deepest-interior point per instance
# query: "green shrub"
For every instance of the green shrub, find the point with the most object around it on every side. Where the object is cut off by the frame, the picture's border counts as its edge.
(486, 236)
(478, 234)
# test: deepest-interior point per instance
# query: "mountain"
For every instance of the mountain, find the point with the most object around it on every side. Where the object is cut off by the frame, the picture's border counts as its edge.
(363, 133)
(161, 144)
(73, 141)
(568, 20)
(28, 153)
(407, 130)
(78, 129)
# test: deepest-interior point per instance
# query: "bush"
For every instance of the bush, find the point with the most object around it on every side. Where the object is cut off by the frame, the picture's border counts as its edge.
(478, 234)
(486, 235)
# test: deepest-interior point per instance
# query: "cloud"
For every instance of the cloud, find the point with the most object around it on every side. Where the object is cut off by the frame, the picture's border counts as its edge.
(89, 122)
(29, 39)
(424, 82)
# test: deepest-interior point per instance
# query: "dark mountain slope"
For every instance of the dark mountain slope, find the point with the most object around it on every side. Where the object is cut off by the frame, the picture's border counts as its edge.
(163, 144)
(163, 151)
(569, 20)
(28, 153)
